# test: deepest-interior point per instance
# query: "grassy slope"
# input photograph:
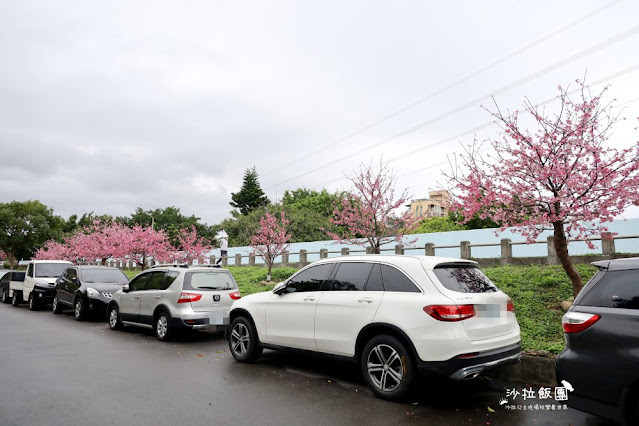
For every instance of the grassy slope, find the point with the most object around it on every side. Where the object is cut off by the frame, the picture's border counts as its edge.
(536, 292)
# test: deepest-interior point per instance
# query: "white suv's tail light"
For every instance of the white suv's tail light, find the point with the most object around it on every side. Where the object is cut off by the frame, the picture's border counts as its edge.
(450, 313)
(510, 306)
(574, 322)
(189, 297)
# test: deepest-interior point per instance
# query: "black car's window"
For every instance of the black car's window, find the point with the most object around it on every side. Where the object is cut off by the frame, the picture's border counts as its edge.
(157, 281)
(375, 282)
(5, 278)
(71, 274)
(50, 270)
(138, 283)
(351, 276)
(311, 279)
(30, 270)
(209, 280)
(103, 275)
(464, 279)
(617, 289)
(396, 280)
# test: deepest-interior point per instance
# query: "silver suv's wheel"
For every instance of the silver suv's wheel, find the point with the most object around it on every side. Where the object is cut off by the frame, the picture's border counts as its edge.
(387, 367)
(114, 318)
(243, 340)
(162, 330)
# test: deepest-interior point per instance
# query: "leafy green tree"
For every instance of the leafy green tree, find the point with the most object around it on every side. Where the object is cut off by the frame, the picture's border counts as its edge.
(24, 228)
(319, 202)
(250, 197)
(475, 223)
(437, 224)
(170, 220)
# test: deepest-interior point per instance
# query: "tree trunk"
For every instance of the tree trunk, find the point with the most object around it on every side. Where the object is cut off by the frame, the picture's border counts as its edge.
(561, 248)
(104, 260)
(12, 260)
(268, 274)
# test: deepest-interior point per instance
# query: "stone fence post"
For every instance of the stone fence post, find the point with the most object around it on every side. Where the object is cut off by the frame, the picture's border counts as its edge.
(323, 253)
(238, 260)
(506, 248)
(369, 250)
(211, 260)
(552, 253)
(302, 258)
(399, 249)
(429, 249)
(225, 261)
(345, 251)
(607, 244)
(252, 259)
(465, 249)
(285, 258)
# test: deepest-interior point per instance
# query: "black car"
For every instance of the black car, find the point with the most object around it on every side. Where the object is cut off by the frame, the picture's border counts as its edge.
(600, 365)
(6, 276)
(87, 288)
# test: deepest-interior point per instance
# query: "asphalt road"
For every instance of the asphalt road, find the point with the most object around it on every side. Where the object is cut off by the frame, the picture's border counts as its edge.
(56, 371)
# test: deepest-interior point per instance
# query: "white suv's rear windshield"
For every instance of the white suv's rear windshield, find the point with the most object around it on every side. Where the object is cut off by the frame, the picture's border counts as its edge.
(209, 280)
(464, 279)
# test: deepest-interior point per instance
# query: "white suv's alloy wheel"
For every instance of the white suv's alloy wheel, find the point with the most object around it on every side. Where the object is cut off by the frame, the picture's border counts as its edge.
(240, 339)
(385, 368)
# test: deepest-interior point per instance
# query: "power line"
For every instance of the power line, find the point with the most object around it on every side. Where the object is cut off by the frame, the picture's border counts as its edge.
(450, 86)
(491, 123)
(527, 79)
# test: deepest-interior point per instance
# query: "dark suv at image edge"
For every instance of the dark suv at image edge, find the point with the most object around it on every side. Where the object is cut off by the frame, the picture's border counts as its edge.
(601, 359)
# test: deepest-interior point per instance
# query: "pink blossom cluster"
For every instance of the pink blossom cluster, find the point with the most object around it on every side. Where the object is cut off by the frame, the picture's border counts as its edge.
(111, 240)
(368, 214)
(271, 239)
(562, 174)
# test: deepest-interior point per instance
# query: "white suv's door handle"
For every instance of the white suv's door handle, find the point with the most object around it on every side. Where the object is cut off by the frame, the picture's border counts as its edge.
(366, 299)
(136, 297)
(157, 297)
(309, 298)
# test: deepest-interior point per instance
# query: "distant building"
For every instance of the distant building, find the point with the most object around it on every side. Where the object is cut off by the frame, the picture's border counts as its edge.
(436, 205)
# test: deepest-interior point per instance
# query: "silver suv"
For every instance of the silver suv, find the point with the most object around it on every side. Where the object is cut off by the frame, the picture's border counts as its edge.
(167, 298)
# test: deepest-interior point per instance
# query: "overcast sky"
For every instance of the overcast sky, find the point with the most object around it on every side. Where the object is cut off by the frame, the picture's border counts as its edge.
(109, 106)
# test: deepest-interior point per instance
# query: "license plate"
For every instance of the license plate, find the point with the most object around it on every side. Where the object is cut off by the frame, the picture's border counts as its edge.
(218, 318)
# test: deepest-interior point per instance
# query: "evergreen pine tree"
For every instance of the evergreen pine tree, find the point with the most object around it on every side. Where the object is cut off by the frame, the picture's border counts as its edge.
(250, 197)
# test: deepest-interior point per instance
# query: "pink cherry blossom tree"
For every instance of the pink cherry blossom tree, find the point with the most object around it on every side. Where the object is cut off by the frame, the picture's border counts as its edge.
(271, 239)
(53, 250)
(100, 240)
(141, 244)
(368, 215)
(191, 246)
(559, 176)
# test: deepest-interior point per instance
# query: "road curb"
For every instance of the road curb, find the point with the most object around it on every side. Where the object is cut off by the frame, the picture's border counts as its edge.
(533, 368)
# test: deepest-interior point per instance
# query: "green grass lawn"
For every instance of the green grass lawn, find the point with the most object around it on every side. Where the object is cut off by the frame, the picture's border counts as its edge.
(536, 291)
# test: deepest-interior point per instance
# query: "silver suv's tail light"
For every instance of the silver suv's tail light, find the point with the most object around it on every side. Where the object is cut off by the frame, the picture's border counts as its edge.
(574, 322)
(235, 295)
(189, 297)
(450, 313)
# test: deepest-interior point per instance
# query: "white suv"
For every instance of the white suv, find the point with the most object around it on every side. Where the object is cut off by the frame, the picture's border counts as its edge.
(394, 315)
(167, 298)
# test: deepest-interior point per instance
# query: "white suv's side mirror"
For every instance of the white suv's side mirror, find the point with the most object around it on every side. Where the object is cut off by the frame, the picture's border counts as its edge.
(279, 288)
(125, 288)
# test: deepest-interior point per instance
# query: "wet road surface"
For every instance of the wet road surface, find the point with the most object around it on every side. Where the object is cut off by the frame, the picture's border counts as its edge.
(56, 371)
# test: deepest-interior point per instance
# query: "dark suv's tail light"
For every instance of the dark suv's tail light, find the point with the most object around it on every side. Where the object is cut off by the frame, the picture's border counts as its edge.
(235, 295)
(574, 322)
(450, 313)
(189, 297)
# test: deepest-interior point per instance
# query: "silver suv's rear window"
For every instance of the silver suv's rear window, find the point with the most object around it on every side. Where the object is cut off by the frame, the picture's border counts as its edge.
(464, 279)
(209, 280)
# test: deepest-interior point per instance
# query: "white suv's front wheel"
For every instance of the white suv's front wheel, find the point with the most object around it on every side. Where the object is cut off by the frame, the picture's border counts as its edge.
(387, 367)
(243, 341)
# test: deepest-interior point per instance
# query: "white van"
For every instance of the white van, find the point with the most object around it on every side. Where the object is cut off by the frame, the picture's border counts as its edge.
(39, 283)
